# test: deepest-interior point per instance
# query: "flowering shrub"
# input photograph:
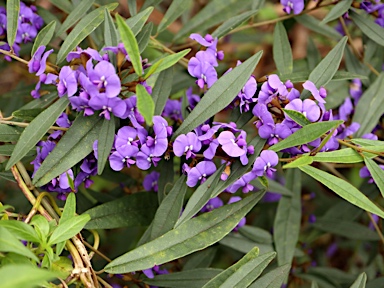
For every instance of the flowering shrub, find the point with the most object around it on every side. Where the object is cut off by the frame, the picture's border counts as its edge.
(174, 142)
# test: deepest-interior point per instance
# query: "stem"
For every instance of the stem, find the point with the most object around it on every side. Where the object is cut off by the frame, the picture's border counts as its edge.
(359, 149)
(376, 227)
(21, 124)
(183, 61)
(97, 252)
(101, 280)
(10, 54)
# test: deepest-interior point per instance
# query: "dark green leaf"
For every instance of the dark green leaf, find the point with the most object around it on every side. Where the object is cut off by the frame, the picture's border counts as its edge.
(145, 104)
(42, 102)
(242, 244)
(338, 10)
(72, 148)
(9, 133)
(313, 24)
(195, 234)
(132, 6)
(21, 230)
(256, 234)
(162, 89)
(36, 130)
(282, 52)
(302, 76)
(174, 11)
(296, 116)
(64, 5)
(144, 36)
(368, 27)
(69, 228)
(105, 143)
(376, 172)
(273, 279)
(343, 189)
(148, 3)
(353, 65)
(360, 281)
(137, 22)
(201, 259)
(313, 55)
(224, 90)
(13, 9)
(27, 114)
(133, 210)
(44, 37)
(7, 150)
(9, 243)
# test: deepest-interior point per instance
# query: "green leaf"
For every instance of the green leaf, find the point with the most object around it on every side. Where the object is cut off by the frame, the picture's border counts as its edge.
(41, 227)
(42, 102)
(162, 90)
(373, 102)
(306, 134)
(242, 244)
(282, 52)
(273, 279)
(367, 142)
(302, 76)
(194, 278)
(13, 9)
(137, 22)
(256, 234)
(343, 189)
(133, 210)
(27, 114)
(170, 208)
(75, 16)
(300, 161)
(64, 5)
(287, 220)
(347, 155)
(85, 27)
(360, 281)
(313, 24)
(326, 69)
(145, 104)
(212, 14)
(195, 234)
(132, 7)
(174, 11)
(32, 276)
(144, 36)
(232, 23)
(9, 133)
(105, 143)
(244, 272)
(296, 116)
(69, 211)
(72, 148)
(167, 62)
(313, 55)
(220, 95)
(376, 172)
(130, 44)
(338, 10)
(36, 130)
(9, 243)
(368, 27)
(69, 228)
(354, 65)
(44, 37)
(21, 230)
(314, 284)
(201, 259)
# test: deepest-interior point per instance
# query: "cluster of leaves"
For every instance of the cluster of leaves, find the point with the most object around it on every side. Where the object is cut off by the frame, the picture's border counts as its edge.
(168, 228)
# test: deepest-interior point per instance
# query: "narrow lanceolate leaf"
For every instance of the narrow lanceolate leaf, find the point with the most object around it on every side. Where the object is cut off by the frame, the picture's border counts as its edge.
(144, 36)
(69, 209)
(232, 23)
(145, 104)
(273, 279)
(338, 10)
(313, 55)
(195, 234)
(105, 142)
(130, 44)
(296, 116)
(13, 9)
(376, 172)
(64, 5)
(137, 22)
(170, 208)
(343, 189)
(36, 130)
(85, 27)
(287, 220)
(326, 69)
(244, 272)
(110, 31)
(75, 15)
(368, 27)
(73, 147)
(9, 243)
(367, 142)
(27, 114)
(162, 90)
(44, 37)
(360, 281)
(175, 10)
(133, 210)
(9, 133)
(67, 229)
(21, 230)
(347, 155)
(301, 161)
(306, 134)
(220, 95)
(282, 52)
(373, 102)
(313, 24)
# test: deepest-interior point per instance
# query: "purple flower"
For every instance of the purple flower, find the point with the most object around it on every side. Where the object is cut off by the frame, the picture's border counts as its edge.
(355, 90)
(319, 95)
(201, 68)
(172, 110)
(150, 181)
(145, 158)
(108, 105)
(123, 157)
(243, 182)
(126, 136)
(246, 94)
(104, 77)
(292, 5)
(38, 62)
(229, 144)
(192, 98)
(67, 82)
(200, 172)
(212, 204)
(308, 107)
(89, 52)
(265, 162)
(346, 109)
(274, 133)
(188, 144)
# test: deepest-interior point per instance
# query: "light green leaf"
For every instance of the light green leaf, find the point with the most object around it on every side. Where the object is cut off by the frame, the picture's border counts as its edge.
(69, 228)
(313, 24)
(174, 11)
(13, 9)
(273, 279)
(69, 211)
(347, 155)
(85, 27)
(367, 142)
(282, 52)
(300, 161)
(75, 16)
(42, 227)
(306, 134)
(133, 210)
(130, 44)
(244, 272)
(36, 130)
(343, 189)
(376, 172)
(220, 95)
(162, 90)
(105, 143)
(44, 37)
(296, 116)
(21, 230)
(360, 281)
(9, 243)
(368, 27)
(137, 22)
(195, 234)
(287, 220)
(232, 23)
(145, 104)
(373, 102)
(72, 148)
(64, 5)
(338, 10)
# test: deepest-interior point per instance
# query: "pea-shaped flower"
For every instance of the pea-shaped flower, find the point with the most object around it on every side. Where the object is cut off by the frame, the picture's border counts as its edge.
(265, 163)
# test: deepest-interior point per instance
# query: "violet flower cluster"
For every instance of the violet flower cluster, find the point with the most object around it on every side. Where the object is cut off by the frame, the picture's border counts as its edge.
(29, 24)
